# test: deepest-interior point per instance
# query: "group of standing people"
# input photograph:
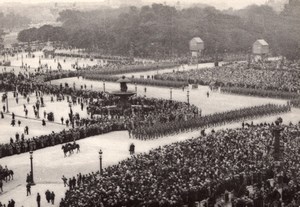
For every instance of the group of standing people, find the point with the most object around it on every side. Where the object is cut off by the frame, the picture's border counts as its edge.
(50, 196)
(264, 76)
(192, 171)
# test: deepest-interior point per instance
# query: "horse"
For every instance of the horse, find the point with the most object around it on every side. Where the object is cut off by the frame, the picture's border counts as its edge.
(77, 147)
(7, 175)
(65, 149)
(68, 148)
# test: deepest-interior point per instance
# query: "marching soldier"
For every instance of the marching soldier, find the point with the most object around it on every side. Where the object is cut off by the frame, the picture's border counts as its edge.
(10, 149)
(131, 149)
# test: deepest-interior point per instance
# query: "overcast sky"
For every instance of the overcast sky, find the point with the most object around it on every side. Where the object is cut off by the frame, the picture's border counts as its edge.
(229, 3)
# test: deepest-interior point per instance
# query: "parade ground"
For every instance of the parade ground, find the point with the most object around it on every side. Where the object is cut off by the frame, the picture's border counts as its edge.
(150, 104)
(216, 102)
(37, 60)
(50, 165)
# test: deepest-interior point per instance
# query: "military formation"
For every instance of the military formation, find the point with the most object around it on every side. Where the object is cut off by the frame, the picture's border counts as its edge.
(151, 118)
(195, 123)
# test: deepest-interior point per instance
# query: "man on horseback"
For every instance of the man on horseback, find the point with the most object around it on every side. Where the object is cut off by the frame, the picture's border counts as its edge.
(70, 147)
(76, 146)
(65, 149)
(6, 174)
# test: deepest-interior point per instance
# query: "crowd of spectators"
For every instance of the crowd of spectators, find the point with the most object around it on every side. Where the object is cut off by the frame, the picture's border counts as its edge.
(204, 168)
(239, 75)
(86, 128)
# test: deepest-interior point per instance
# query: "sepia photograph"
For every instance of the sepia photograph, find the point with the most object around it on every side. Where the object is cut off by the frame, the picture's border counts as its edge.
(150, 103)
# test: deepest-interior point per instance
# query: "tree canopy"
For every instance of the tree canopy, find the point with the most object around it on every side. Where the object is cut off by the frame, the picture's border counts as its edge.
(12, 20)
(161, 30)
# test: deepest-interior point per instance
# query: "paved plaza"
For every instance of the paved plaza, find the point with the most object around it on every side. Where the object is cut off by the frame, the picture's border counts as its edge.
(50, 164)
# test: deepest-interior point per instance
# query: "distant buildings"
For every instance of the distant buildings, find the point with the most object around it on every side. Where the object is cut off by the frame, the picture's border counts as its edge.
(196, 44)
(294, 3)
(49, 51)
(260, 49)
(293, 7)
(277, 5)
(280, 5)
(196, 47)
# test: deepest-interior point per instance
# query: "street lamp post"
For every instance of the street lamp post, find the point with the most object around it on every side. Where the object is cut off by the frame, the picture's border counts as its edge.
(70, 105)
(188, 96)
(171, 93)
(197, 61)
(31, 168)
(6, 99)
(135, 88)
(100, 158)
(71, 114)
(103, 85)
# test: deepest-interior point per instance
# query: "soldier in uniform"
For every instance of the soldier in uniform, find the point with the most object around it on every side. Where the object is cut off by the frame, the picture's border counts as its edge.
(10, 149)
(18, 147)
(13, 122)
(30, 145)
(43, 122)
(52, 141)
(26, 130)
(131, 149)
(25, 146)
(33, 144)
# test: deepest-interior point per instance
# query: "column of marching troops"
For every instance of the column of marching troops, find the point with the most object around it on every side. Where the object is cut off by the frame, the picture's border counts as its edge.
(105, 125)
(173, 128)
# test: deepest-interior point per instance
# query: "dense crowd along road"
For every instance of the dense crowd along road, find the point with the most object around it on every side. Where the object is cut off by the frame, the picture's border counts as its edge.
(202, 168)
(239, 75)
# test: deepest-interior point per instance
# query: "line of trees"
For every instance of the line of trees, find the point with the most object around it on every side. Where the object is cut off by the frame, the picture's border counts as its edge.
(12, 20)
(163, 31)
(44, 33)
